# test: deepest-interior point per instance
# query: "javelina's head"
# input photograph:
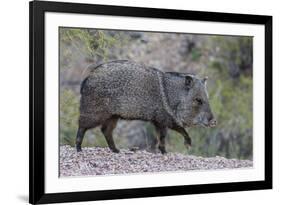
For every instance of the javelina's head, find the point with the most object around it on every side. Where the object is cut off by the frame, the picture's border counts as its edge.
(194, 108)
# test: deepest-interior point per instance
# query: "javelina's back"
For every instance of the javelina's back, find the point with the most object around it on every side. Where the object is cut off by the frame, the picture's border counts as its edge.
(122, 88)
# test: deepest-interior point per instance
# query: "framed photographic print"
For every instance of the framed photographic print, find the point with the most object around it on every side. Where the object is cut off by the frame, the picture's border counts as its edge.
(140, 102)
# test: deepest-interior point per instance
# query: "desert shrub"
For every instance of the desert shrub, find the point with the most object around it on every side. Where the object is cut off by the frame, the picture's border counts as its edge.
(78, 45)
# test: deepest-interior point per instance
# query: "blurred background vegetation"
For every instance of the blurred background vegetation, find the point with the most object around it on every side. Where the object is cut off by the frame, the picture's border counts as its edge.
(227, 60)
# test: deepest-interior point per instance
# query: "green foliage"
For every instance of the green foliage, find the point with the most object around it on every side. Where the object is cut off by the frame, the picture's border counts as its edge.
(69, 111)
(233, 52)
(195, 54)
(84, 43)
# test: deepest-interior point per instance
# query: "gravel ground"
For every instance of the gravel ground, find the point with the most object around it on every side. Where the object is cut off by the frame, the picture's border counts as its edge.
(101, 161)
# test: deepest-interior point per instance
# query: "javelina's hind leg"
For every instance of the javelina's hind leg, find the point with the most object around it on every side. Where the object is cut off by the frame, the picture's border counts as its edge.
(107, 129)
(161, 134)
(79, 138)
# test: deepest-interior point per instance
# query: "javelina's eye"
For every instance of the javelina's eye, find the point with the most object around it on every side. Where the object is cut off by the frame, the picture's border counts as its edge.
(198, 101)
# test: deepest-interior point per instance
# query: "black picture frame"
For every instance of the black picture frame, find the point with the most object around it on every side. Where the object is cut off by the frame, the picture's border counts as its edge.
(37, 11)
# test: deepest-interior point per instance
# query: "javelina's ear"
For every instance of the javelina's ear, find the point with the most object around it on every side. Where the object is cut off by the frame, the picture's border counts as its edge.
(204, 80)
(189, 81)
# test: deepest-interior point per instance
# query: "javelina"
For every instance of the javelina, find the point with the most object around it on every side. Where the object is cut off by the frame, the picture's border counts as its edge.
(128, 90)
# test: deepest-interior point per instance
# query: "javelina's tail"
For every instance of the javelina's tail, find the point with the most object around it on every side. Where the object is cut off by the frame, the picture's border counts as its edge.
(83, 83)
(89, 69)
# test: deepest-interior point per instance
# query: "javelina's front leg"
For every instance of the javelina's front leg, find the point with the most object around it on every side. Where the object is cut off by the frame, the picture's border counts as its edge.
(161, 134)
(187, 139)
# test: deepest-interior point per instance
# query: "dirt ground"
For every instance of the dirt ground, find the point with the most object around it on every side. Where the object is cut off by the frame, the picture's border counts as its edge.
(101, 161)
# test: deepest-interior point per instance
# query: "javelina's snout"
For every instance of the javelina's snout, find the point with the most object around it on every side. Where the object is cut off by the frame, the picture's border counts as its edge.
(212, 122)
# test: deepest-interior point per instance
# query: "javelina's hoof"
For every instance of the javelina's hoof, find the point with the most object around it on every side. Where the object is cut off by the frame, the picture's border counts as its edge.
(134, 149)
(115, 150)
(163, 150)
(78, 148)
